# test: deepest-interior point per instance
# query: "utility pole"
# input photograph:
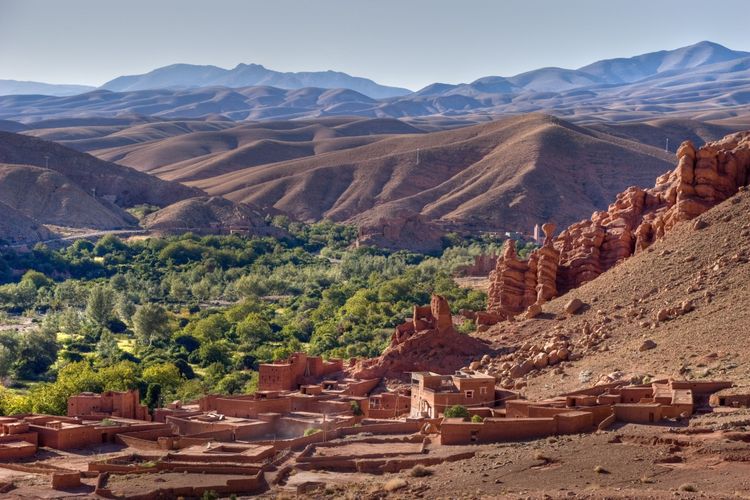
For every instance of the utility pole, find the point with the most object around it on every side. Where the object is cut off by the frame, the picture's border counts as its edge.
(417, 156)
(325, 429)
(666, 148)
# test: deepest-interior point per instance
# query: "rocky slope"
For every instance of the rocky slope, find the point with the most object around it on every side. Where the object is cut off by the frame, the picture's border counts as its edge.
(671, 310)
(638, 218)
(668, 306)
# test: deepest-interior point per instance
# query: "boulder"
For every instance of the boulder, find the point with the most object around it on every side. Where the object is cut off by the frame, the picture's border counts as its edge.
(533, 311)
(647, 345)
(573, 306)
(541, 360)
(662, 315)
(700, 224)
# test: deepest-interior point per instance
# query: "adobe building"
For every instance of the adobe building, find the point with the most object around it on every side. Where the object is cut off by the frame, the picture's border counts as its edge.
(386, 405)
(108, 404)
(66, 433)
(432, 393)
(297, 370)
(583, 411)
(16, 439)
(735, 397)
(326, 397)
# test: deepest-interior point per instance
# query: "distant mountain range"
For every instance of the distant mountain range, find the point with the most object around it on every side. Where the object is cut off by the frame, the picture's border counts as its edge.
(15, 87)
(190, 76)
(185, 76)
(702, 81)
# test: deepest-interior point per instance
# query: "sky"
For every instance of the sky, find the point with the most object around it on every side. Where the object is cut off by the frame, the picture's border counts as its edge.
(406, 43)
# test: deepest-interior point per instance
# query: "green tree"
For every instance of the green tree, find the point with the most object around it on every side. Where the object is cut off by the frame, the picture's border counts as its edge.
(7, 358)
(120, 376)
(39, 280)
(125, 308)
(212, 328)
(37, 352)
(214, 352)
(356, 409)
(151, 324)
(166, 375)
(100, 305)
(254, 330)
(153, 396)
(107, 348)
(456, 411)
(109, 244)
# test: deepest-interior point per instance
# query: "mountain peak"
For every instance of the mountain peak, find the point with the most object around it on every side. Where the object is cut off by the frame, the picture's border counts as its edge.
(632, 69)
(248, 75)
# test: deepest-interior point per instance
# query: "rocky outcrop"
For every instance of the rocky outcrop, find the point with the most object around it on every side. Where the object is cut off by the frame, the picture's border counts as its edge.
(515, 284)
(426, 342)
(703, 178)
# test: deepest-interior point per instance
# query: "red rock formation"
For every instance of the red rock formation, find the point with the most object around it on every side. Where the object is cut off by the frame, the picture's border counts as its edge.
(427, 342)
(515, 284)
(637, 218)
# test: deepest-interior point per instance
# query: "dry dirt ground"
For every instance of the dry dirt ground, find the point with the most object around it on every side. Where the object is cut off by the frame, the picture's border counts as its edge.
(705, 458)
(29, 485)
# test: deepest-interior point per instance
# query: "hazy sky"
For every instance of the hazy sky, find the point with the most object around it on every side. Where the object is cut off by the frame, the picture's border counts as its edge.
(408, 43)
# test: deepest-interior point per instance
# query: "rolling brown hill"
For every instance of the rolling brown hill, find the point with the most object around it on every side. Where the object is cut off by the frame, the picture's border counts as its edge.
(193, 150)
(403, 184)
(65, 188)
(51, 198)
(18, 229)
(503, 175)
(117, 184)
(209, 212)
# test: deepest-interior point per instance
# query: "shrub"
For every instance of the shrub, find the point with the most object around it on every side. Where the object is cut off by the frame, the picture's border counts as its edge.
(477, 419)
(395, 484)
(457, 411)
(420, 471)
(356, 409)
(688, 487)
(311, 431)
